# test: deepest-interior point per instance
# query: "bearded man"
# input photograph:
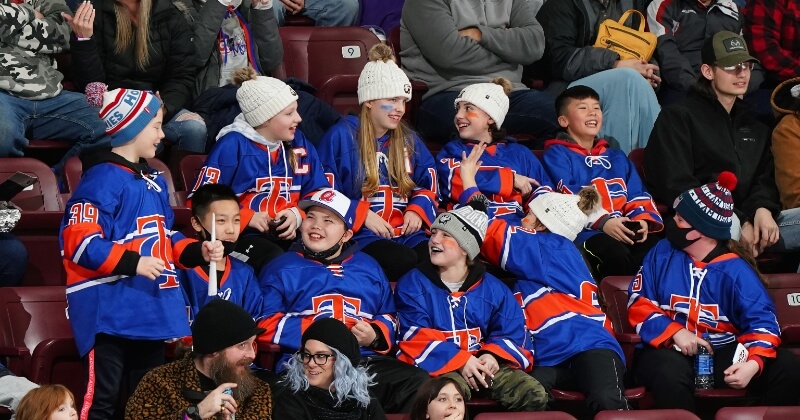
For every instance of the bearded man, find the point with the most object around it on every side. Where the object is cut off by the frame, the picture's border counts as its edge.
(196, 385)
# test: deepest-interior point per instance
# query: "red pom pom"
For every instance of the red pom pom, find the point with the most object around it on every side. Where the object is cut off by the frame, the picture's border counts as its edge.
(727, 180)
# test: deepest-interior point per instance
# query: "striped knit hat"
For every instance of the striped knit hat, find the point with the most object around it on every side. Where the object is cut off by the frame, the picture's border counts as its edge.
(709, 208)
(127, 112)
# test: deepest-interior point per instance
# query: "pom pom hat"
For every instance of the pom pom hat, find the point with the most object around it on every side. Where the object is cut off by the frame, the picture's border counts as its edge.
(381, 78)
(561, 213)
(709, 208)
(467, 225)
(126, 112)
(489, 97)
(263, 98)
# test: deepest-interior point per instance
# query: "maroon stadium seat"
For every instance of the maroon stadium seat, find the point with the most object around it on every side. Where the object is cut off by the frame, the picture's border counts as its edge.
(785, 292)
(329, 58)
(646, 415)
(543, 415)
(44, 195)
(398, 417)
(190, 170)
(757, 413)
(37, 339)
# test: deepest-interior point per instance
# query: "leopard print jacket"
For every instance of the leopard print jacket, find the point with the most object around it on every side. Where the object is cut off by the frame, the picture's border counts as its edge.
(168, 390)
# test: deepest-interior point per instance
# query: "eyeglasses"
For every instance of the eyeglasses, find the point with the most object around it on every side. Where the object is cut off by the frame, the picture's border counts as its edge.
(320, 359)
(738, 68)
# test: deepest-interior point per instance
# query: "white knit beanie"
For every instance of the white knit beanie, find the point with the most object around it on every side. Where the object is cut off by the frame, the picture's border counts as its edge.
(467, 225)
(489, 97)
(382, 80)
(263, 98)
(559, 213)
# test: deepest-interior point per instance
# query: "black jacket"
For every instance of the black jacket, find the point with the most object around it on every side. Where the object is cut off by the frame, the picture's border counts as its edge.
(570, 30)
(696, 139)
(171, 71)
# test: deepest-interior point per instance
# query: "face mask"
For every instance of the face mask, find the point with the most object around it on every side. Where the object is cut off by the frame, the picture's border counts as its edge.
(677, 236)
(322, 256)
(229, 246)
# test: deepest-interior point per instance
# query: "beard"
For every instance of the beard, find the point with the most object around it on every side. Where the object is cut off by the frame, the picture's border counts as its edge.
(223, 371)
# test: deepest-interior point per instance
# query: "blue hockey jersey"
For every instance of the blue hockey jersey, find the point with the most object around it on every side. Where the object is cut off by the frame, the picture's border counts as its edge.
(338, 151)
(298, 290)
(238, 284)
(262, 179)
(440, 330)
(610, 171)
(723, 298)
(555, 289)
(114, 214)
(495, 178)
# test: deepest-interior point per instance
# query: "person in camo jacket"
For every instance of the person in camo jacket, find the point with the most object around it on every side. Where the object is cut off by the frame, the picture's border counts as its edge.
(31, 95)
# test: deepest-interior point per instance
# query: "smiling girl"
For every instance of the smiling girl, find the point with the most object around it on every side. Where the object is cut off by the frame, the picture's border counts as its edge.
(375, 159)
(48, 402)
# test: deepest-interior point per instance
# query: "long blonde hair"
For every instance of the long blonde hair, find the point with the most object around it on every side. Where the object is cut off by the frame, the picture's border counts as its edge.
(400, 145)
(125, 37)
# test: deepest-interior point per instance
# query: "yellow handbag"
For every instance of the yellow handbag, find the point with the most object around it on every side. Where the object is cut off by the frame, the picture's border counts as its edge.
(625, 41)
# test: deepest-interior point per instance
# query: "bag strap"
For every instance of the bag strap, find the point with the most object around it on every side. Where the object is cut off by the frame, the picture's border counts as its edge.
(628, 13)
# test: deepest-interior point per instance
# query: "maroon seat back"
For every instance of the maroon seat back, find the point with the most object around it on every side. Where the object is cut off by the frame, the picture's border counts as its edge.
(784, 289)
(549, 415)
(329, 58)
(190, 170)
(37, 338)
(43, 195)
(614, 290)
(398, 417)
(646, 415)
(757, 413)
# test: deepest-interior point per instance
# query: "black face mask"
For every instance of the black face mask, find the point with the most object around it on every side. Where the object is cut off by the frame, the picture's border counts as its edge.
(677, 236)
(322, 256)
(229, 246)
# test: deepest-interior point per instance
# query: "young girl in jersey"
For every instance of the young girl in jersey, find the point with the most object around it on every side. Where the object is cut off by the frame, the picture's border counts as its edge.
(510, 174)
(268, 163)
(439, 399)
(374, 159)
(48, 402)
(700, 281)
(574, 345)
(121, 256)
(455, 319)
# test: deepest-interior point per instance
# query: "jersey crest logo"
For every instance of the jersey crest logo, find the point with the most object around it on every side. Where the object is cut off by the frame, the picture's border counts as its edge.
(343, 308)
(151, 238)
(468, 339)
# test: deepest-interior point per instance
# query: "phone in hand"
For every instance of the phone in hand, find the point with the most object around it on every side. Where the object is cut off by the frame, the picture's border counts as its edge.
(635, 226)
(273, 226)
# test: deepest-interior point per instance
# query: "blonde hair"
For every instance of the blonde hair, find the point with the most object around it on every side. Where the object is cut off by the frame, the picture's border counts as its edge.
(744, 253)
(504, 83)
(588, 200)
(399, 145)
(40, 402)
(243, 74)
(125, 37)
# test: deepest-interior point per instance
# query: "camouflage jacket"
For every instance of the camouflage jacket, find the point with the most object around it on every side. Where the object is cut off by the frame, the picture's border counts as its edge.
(26, 69)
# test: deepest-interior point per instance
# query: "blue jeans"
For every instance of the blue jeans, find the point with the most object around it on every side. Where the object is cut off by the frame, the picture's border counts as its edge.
(324, 12)
(189, 135)
(13, 260)
(65, 117)
(630, 106)
(789, 227)
(529, 112)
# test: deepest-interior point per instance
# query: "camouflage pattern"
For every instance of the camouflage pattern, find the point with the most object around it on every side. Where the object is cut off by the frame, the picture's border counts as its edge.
(513, 389)
(26, 70)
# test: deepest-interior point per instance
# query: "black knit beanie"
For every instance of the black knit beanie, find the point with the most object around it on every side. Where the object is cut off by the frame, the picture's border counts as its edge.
(334, 334)
(221, 324)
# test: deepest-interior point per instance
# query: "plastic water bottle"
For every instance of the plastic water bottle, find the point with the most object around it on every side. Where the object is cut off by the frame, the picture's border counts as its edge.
(229, 392)
(703, 367)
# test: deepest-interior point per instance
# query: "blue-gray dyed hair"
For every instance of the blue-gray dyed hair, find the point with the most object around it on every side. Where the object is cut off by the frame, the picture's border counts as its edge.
(348, 381)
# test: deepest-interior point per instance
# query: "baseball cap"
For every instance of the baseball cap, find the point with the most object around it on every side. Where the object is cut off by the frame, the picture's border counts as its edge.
(725, 49)
(334, 201)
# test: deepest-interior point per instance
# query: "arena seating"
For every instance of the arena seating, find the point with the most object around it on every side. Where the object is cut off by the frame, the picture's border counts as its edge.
(329, 58)
(784, 289)
(757, 413)
(646, 415)
(548, 415)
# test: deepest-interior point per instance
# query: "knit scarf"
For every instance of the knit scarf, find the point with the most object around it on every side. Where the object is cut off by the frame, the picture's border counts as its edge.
(321, 403)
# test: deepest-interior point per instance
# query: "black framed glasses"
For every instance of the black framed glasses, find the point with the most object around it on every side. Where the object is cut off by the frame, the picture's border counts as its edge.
(738, 68)
(320, 359)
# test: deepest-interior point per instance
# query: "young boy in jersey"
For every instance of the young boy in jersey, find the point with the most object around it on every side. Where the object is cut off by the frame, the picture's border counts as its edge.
(121, 257)
(577, 158)
(384, 167)
(324, 275)
(573, 342)
(701, 281)
(458, 320)
(269, 164)
(511, 174)
(236, 281)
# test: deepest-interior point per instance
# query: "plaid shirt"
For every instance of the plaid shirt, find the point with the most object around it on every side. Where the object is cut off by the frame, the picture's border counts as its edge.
(772, 29)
